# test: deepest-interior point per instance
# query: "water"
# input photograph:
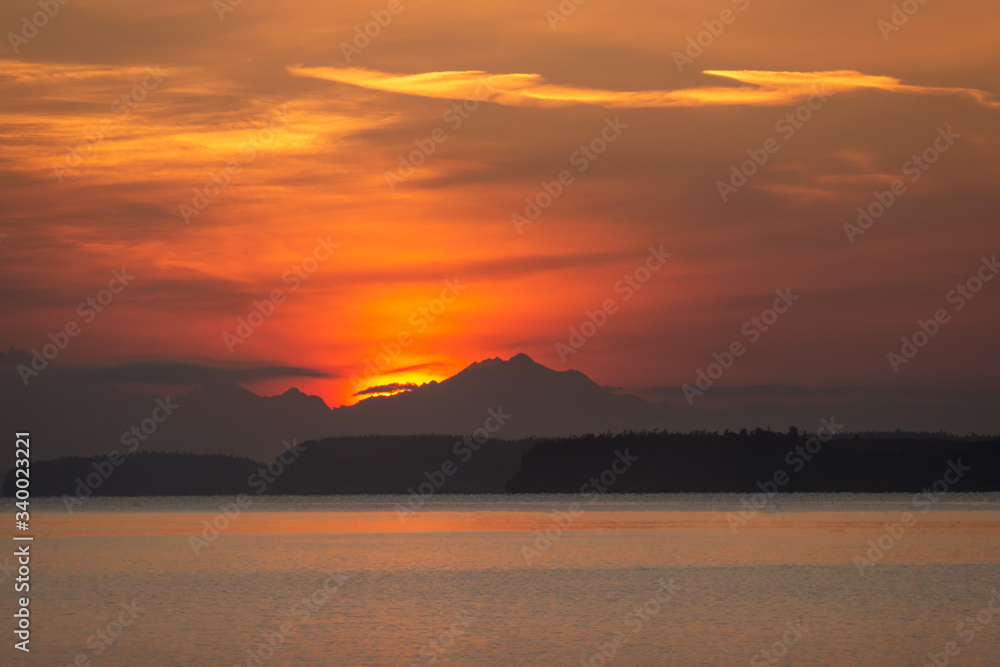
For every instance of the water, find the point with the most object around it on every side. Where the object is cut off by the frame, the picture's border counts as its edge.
(651, 580)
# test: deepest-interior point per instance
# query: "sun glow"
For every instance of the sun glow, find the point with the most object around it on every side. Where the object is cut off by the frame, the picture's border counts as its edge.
(393, 382)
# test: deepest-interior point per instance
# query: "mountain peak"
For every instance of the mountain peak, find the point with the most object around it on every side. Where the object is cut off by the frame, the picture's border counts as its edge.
(519, 370)
(545, 401)
(519, 358)
(295, 396)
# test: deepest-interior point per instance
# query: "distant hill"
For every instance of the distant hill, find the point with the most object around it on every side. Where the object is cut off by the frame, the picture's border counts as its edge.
(753, 462)
(140, 474)
(742, 462)
(401, 464)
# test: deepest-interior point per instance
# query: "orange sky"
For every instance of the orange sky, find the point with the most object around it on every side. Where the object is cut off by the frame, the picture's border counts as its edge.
(309, 138)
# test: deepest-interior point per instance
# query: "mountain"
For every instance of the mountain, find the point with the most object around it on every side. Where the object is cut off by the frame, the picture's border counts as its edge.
(540, 401)
(73, 413)
(69, 415)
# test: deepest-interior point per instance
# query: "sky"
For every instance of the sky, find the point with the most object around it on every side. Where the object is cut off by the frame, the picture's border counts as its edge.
(472, 180)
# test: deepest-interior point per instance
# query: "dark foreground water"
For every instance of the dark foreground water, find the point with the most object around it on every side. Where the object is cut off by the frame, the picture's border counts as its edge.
(527, 580)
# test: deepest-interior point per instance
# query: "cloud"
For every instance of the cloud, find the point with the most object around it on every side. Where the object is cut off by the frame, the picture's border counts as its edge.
(387, 388)
(185, 373)
(764, 88)
(24, 72)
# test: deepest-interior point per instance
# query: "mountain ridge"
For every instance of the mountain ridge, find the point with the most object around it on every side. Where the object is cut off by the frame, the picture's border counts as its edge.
(221, 417)
(73, 411)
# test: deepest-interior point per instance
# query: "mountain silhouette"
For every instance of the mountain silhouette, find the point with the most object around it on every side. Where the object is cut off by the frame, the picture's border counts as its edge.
(76, 417)
(71, 413)
(540, 401)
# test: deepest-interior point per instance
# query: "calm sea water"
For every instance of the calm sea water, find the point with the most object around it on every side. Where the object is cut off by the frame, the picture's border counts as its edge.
(528, 580)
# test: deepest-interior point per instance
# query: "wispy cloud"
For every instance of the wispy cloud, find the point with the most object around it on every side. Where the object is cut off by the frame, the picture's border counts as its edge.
(764, 88)
(391, 388)
(173, 372)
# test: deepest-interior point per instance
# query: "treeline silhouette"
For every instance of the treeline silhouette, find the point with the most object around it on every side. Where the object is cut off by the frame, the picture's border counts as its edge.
(664, 462)
(140, 474)
(385, 464)
(703, 462)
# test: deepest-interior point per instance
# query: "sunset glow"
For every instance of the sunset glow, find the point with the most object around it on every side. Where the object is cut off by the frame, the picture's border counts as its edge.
(217, 178)
(492, 334)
